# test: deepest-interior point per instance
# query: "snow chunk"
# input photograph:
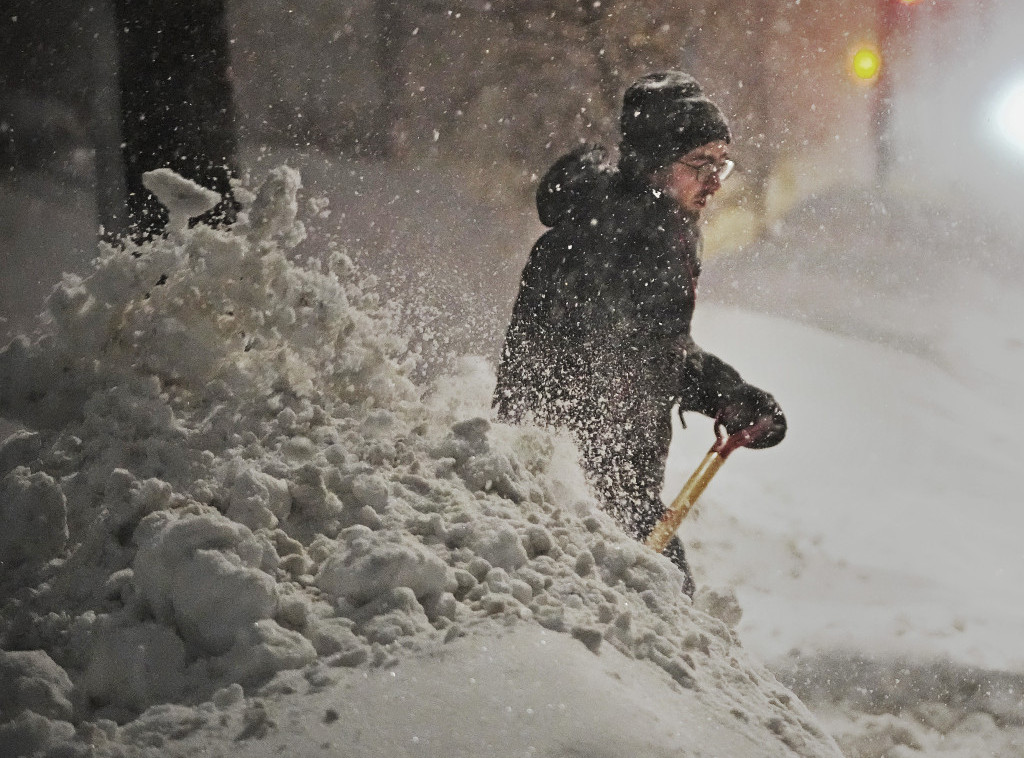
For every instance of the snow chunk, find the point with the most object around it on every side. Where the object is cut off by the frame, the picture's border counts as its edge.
(136, 666)
(369, 565)
(161, 723)
(262, 649)
(189, 571)
(334, 637)
(721, 603)
(371, 490)
(215, 597)
(30, 734)
(276, 208)
(502, 548)
(183, 198)
(19, 449)
(311, 497)
(31, 681)
(33, 517)
(258, 500)
(881, 736)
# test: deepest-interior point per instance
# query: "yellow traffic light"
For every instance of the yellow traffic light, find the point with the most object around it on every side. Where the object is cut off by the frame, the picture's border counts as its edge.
(865, 63)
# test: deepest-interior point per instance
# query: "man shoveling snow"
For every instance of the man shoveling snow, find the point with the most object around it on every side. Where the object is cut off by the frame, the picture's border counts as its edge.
(599, 341)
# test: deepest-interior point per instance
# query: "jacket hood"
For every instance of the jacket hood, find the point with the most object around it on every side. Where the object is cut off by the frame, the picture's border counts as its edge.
(576, 185)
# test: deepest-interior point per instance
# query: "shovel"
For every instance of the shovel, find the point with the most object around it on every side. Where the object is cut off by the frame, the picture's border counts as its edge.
(699, 479)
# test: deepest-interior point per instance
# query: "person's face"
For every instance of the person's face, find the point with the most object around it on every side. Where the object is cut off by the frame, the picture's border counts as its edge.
(685, 181)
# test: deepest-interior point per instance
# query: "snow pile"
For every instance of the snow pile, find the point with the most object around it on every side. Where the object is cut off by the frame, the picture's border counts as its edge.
(233, 501)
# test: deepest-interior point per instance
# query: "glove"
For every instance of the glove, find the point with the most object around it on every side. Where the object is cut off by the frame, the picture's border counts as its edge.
(744, 407)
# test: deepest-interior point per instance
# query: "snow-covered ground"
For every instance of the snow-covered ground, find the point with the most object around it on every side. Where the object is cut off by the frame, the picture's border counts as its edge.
(876, 553)
(889, 518)
(241, 511)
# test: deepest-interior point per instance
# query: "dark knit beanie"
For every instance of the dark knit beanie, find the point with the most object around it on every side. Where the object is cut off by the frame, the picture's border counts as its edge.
(665, 115)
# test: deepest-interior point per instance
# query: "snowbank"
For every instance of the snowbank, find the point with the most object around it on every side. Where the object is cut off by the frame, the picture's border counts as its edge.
(238, 524)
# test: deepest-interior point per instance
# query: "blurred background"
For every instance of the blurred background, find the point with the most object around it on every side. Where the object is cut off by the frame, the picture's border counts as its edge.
(881, 142)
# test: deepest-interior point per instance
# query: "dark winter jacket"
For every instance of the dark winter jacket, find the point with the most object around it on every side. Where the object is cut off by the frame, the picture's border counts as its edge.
(602, 321)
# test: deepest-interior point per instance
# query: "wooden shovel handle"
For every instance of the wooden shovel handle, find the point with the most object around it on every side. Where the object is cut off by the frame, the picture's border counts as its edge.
(725, 444)
(674, 515)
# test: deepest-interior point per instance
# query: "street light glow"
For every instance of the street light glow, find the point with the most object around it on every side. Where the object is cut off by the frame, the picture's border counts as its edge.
(1009, 115)
(866, 63)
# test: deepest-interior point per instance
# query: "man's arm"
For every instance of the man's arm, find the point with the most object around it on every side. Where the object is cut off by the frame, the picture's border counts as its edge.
(710, 386)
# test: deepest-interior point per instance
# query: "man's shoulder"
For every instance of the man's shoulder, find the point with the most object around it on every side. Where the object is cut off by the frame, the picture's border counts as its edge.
(576, 187)
(623, 229)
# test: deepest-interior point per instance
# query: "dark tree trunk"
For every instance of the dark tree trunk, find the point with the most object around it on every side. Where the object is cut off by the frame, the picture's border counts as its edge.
(105, 123)
(176, 104)
(388, 18)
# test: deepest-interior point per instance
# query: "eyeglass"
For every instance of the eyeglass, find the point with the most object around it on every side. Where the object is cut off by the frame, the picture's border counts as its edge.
(708, 169)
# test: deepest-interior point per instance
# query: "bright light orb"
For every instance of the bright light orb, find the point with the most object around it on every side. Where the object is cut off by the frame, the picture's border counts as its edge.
(866, 63)
(1009, 115)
